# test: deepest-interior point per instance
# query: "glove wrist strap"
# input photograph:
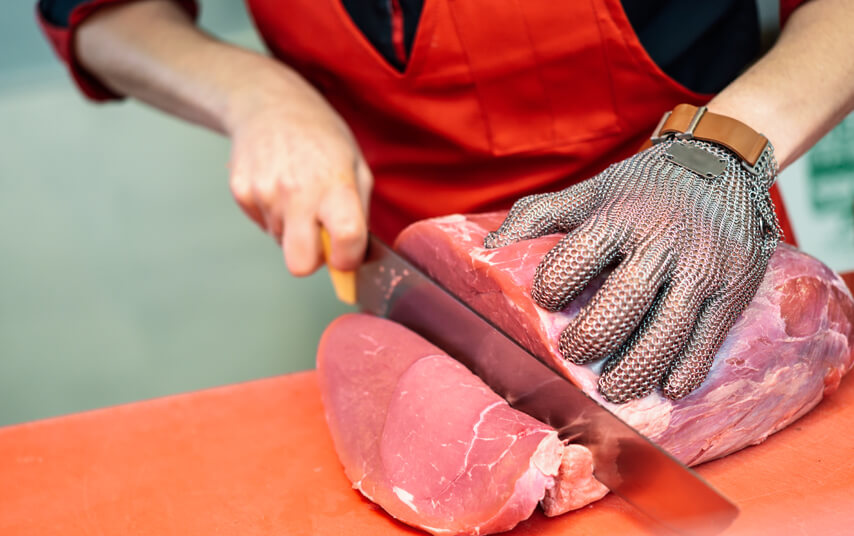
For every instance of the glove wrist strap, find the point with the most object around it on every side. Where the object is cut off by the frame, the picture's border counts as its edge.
(690, 122)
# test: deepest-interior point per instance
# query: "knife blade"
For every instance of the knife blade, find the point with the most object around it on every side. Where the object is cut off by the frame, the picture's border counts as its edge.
(625, 461)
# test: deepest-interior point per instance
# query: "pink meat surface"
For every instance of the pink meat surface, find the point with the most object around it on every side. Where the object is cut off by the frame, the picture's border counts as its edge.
(790, 347)
(430, 443)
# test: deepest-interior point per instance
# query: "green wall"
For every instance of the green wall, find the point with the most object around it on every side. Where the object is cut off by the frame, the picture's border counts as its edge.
(126, 270)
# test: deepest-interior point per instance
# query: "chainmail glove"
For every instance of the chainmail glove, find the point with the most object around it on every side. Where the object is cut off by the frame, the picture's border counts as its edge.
(689, 253)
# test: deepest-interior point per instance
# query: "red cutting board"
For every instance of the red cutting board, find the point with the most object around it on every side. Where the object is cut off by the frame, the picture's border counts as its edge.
(255, 458)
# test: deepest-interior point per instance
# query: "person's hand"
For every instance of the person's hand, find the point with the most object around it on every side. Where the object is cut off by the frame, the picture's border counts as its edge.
(691, 250)
(295, 167)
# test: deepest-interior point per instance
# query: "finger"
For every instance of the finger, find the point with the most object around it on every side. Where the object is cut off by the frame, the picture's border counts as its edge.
(537, 215)
(268, 197)
(573, 262)
(515, 226)
(241, 189)
(618, 306)
(717, 315)
(301, 241)
(341, 214)
(693, 364)
(364, 184)
(640, 365)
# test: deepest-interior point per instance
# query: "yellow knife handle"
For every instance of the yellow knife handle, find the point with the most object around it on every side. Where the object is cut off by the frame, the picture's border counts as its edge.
(344, 282)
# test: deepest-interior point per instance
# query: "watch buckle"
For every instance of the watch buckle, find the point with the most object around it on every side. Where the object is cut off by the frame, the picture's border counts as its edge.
(754, 169)
(689, 132)
(656, 134)
(687, 135)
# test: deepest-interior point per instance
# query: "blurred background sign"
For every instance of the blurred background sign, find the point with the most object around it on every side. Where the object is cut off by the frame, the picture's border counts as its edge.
(831, 177)
(819, 194)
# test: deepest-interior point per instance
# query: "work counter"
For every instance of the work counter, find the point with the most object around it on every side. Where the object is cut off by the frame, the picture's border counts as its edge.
(256, 458)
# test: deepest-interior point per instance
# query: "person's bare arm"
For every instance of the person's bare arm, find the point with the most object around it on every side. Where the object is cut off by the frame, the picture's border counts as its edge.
(294, 165)
(804, 85)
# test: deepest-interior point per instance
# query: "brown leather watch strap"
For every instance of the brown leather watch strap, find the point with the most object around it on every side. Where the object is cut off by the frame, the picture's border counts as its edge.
(687, 121)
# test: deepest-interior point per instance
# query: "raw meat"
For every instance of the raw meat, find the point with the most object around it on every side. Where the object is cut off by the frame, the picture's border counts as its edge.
(789, 348)
(428, 441)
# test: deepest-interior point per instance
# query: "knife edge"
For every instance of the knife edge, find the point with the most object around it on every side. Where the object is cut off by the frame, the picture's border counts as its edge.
(628, 463)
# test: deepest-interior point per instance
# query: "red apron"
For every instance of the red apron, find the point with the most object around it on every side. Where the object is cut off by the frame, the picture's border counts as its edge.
(495, 102)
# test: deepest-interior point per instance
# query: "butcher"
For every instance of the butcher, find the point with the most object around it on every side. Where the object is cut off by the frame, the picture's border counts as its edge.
(651, 132)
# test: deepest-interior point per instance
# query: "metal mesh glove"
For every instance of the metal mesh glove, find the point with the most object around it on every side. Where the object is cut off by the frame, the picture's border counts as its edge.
(690, 252)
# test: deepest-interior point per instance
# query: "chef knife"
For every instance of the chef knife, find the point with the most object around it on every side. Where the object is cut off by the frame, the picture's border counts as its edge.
(625, 461)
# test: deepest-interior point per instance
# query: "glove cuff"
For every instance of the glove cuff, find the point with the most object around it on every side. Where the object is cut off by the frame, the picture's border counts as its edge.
(755, 152)
(687, 122)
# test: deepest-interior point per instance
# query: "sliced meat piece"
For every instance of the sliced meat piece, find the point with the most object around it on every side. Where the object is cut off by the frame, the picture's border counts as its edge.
(789, 348)
(575, 485)
(430, 443)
